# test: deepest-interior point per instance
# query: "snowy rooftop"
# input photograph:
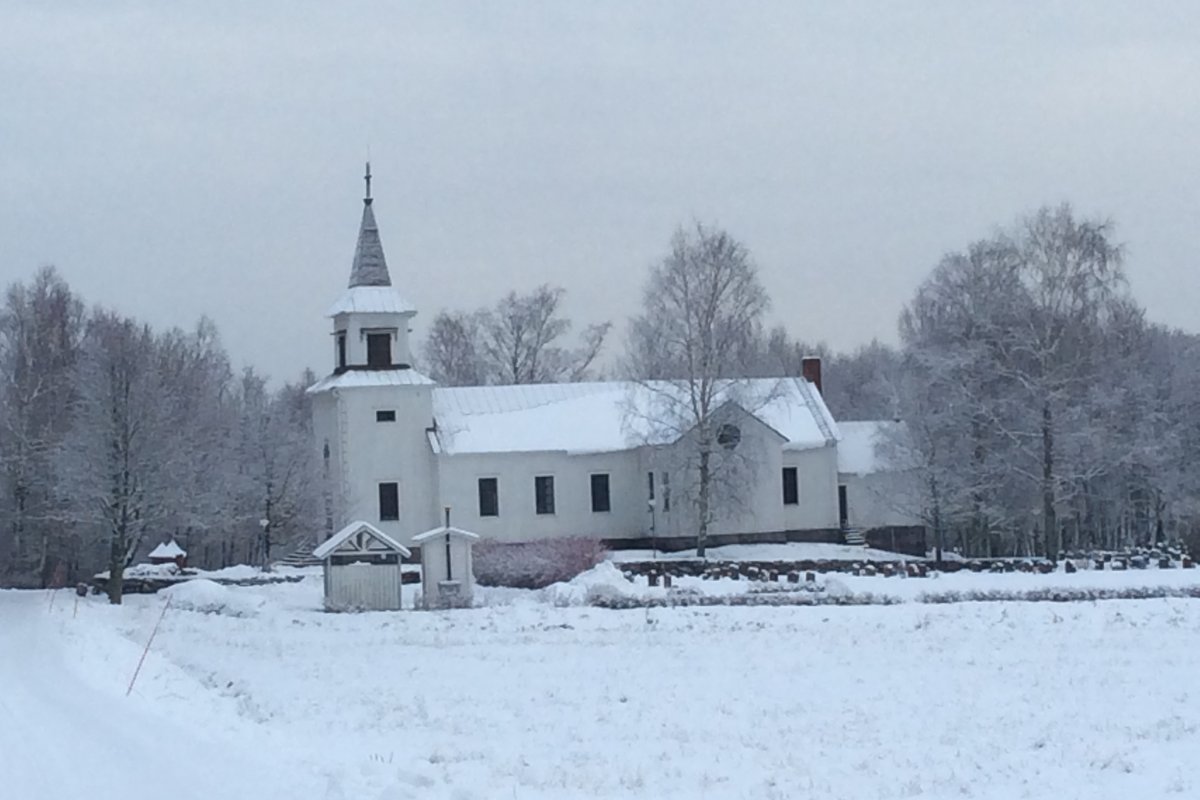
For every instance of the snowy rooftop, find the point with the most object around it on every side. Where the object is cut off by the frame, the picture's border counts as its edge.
(168, 550)
(371, 300)
(370, 377)
(444, 530)
(608, 416)
(863, 447)
(339, 538)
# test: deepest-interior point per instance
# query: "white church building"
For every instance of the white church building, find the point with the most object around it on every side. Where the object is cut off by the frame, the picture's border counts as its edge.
(527, 462)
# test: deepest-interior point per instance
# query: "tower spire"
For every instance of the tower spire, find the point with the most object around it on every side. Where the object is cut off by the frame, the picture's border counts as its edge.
(370, 266)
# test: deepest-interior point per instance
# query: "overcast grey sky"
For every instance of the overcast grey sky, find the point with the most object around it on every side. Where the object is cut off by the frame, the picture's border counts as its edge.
(179, 159)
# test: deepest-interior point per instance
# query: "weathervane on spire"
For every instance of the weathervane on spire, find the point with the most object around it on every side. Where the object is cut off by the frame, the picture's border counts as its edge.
(367, 177)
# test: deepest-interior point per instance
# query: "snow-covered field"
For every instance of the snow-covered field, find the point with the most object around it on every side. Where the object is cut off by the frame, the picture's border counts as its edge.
(271, 698)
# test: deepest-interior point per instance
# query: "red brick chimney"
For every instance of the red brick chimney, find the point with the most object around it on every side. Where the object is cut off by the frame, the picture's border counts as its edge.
(810, 370)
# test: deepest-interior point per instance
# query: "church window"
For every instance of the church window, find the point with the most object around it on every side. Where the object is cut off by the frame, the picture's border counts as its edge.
(791, 487)
(489, 497)
(341, 349)
(543, 494)
(385, 415)
(728, 436)
(389, 502)
(379, 350)
(600, 498)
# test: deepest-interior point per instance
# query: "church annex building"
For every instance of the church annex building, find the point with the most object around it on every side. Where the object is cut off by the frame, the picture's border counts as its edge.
(527, 462)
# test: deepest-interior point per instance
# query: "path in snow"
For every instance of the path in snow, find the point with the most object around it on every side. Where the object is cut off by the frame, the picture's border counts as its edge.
(64, 734)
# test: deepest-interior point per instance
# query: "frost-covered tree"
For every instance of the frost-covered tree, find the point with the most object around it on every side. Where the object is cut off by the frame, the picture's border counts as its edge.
(1010, 341)
(452, 349)
(276, 487)
(114, 470)
(689, 348)
(40, 327)
(519, 340)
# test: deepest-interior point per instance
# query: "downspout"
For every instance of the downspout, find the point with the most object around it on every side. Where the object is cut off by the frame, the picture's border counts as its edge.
(449, 569)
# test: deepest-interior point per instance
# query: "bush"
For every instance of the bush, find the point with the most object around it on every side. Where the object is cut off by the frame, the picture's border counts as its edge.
(535, 565)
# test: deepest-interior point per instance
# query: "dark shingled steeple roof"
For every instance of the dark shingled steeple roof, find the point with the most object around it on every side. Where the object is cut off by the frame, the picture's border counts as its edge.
(370, 266)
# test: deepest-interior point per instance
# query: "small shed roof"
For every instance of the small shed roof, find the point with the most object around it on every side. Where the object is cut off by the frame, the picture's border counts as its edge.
(444, 529)
(168, 550)
(354, 528)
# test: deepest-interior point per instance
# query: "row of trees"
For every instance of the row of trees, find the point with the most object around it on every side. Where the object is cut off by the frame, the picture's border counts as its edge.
(1043, 411)
(113, 436)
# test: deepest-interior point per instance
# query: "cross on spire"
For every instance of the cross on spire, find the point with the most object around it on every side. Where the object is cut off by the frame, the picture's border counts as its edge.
(367, 178)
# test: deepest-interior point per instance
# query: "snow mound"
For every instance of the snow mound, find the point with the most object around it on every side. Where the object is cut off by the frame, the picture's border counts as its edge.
(602, 582)
(837, 588)
(238, 572)
(207, 597)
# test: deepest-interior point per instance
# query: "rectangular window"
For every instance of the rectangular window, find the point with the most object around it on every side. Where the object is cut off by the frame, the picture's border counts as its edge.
(543, 494)
(389, 502)
(386, 415)
(666, 491)
(650, 485)
(341, 349)
(791, 488)
(489, 497)
(379, 350)
(600, 499)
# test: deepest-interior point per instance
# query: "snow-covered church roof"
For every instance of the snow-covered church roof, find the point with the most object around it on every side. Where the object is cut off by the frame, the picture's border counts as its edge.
(371, 300)
(609, 416)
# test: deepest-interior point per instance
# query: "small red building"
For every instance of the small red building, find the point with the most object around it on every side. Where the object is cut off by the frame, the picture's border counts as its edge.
(169, 553)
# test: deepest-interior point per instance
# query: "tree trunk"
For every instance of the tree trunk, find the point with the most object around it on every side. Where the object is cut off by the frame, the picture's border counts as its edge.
(1049, 515)
(116, 569)
(702, 504)
(939, 535)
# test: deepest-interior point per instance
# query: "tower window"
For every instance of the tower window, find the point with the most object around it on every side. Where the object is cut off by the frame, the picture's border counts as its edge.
(489, 497)
(389, 502)
(600, 498)
(341, 349)
(379, 350)
(543, 494)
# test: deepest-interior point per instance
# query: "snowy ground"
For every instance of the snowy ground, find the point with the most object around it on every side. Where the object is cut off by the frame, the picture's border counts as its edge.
(533, 700)
(792, 551)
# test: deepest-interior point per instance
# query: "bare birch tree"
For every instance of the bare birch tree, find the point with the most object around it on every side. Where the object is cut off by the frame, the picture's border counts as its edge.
(695, 337)
(452, 349)
(519, 340)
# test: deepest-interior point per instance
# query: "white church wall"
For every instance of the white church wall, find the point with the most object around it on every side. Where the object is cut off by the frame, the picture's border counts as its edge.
(518, 521)
(882, 499)
(759, 506)
(384, 452)
(356, 325)
(817, 481)
(324, 416)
